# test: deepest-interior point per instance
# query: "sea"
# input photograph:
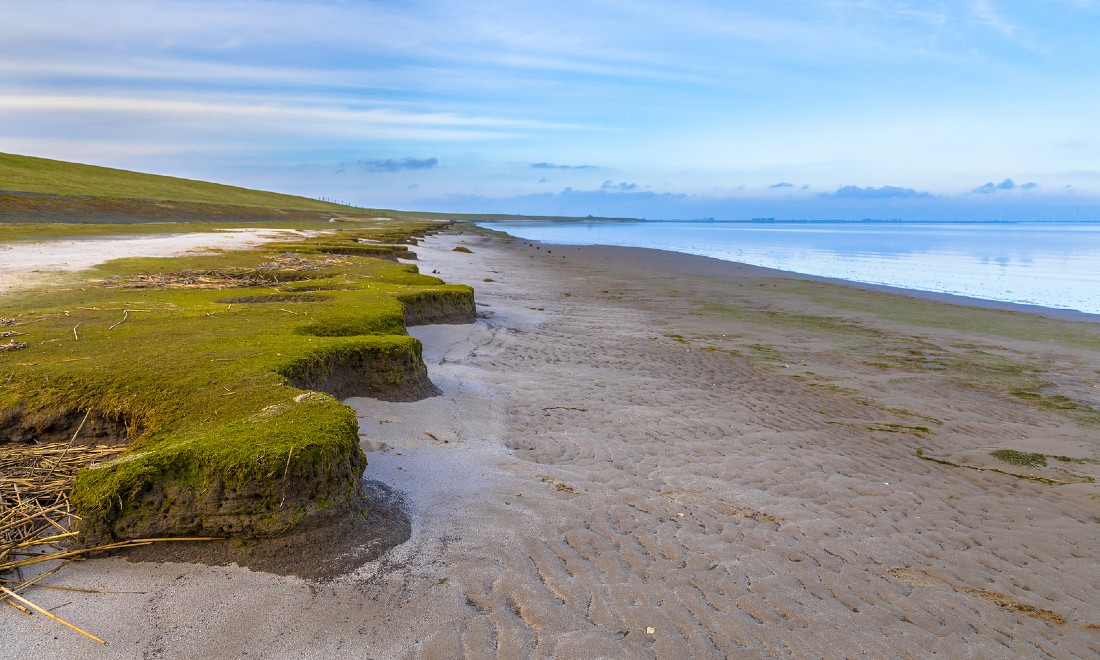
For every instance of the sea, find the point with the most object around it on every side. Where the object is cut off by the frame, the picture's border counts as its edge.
(1050, 264)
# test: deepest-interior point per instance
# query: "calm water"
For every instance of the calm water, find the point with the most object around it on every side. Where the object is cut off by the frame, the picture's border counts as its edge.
(1049, 264)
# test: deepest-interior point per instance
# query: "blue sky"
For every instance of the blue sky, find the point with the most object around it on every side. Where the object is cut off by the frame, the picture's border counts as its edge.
(942, 109)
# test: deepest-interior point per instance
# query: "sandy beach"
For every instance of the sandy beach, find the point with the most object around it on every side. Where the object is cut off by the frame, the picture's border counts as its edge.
(641, 454)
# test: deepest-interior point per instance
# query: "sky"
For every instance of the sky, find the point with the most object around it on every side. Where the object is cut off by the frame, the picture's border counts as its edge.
(793, 109)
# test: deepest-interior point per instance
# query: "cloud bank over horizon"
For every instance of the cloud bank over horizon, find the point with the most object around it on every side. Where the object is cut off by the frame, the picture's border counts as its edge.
(812, 109)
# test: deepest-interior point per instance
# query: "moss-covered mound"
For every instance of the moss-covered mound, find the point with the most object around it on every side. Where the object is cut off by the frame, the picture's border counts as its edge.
(221, 375)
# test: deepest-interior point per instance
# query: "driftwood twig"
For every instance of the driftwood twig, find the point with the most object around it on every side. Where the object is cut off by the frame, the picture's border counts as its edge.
(125, 315)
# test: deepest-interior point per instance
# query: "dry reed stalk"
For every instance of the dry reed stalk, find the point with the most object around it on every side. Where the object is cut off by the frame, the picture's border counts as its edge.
(8, 593)
(35, 516)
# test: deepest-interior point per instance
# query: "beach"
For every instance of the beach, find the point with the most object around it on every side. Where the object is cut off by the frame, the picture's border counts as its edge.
(645, 454)
(1046, 264)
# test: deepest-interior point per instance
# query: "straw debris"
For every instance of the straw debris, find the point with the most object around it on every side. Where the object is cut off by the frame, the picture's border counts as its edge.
(284, 267)
(36, 516)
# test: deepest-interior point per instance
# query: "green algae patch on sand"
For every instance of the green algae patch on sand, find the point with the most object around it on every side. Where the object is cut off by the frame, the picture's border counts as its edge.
(221, 376)
(1020, 458)
(991, 350)
(920, 312)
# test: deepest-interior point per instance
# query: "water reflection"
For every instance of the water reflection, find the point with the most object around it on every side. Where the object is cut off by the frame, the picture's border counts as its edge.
(1049, 264)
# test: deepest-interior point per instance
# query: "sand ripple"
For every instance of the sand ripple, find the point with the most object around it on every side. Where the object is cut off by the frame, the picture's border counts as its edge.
(676, 465)
(737, 511)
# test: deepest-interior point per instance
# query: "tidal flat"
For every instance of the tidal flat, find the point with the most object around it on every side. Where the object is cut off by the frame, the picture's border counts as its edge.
(641, 454)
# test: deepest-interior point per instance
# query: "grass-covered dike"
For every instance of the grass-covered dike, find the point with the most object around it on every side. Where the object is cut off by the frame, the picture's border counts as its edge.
(44, 176)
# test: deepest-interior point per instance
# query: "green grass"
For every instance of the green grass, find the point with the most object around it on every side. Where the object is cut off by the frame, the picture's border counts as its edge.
(53, 177)
(207, 381)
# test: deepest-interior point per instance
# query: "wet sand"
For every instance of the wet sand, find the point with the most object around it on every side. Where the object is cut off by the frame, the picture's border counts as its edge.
(641, 454)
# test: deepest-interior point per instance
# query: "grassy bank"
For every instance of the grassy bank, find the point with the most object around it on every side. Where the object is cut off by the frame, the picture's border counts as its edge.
(211, 371)
(217, 377)
(40, 191)
(59, 178)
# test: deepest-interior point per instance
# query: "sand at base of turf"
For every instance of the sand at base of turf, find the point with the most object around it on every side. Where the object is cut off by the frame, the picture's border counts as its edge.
(639, 454)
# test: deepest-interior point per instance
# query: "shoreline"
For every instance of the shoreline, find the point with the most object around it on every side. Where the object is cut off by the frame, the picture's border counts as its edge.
(872, 279)
(641, 458)
(83, 253)
(697, 264)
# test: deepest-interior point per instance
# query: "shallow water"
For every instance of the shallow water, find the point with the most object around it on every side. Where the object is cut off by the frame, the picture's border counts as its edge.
(1049, 264)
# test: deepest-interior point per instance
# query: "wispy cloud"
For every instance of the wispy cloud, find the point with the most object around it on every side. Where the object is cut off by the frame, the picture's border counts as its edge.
(507, 94)
(391, 165)
(217, 117)
(553, 166)
(988, 14)
(259, 107)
